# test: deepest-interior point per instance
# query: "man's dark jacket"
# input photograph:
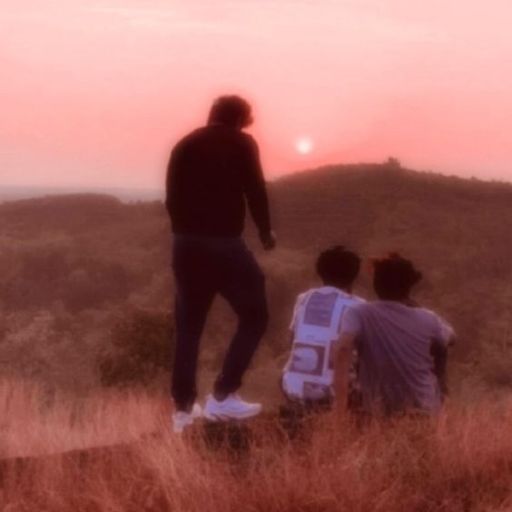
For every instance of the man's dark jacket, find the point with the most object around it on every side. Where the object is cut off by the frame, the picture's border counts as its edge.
(211, 173)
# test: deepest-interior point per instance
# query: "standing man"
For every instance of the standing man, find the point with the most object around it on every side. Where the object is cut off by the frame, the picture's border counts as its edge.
(212, 173)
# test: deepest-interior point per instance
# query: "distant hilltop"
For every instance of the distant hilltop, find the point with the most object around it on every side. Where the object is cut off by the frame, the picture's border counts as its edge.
(365, 205)
(126, 195)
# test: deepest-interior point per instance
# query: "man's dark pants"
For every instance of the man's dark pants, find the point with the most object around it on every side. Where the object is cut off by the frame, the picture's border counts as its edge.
(203, 268)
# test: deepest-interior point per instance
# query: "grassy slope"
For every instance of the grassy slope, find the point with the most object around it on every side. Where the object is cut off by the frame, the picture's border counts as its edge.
(63, 260)
(84, 261)
(459, 463)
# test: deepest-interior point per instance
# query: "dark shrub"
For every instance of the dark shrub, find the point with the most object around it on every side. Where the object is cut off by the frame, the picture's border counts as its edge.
(142, 347)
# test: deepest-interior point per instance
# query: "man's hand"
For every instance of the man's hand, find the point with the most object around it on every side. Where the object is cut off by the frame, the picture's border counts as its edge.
(268, 240)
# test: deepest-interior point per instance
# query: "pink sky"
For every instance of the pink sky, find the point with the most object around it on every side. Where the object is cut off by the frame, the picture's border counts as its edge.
(95, 92)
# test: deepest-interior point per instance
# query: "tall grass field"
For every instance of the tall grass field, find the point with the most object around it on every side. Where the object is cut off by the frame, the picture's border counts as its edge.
(87, 340)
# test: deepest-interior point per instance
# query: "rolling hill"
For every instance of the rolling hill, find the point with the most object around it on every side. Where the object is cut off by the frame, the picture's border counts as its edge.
(75, 265)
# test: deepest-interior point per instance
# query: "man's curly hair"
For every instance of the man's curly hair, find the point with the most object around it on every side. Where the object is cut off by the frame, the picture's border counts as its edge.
(231, 111)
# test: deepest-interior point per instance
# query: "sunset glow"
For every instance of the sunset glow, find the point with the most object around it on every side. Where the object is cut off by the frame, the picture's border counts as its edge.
(304, 145)
(95, 93)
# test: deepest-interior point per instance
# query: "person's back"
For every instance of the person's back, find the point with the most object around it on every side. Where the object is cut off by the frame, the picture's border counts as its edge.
(212, 169)
(394, 344)
(315, 328)
(309, 373)
(401, 347)
(211, 173)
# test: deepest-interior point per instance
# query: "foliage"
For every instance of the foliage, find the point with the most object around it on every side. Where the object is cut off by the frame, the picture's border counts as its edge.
(141, 347)
(84, 260)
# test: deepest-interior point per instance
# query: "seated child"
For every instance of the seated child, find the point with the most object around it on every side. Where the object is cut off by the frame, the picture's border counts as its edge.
(309, 373)
(401, 347)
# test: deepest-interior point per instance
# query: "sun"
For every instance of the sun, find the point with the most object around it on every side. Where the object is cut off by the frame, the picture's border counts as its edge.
(304, 145)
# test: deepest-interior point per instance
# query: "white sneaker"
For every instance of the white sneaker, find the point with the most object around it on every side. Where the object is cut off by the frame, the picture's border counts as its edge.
(182, 419)
(232, 408)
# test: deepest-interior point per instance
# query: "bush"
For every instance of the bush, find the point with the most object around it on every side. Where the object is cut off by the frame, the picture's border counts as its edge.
(142, 347)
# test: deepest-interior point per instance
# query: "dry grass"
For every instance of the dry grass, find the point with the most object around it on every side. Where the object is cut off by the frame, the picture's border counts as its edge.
(33, 425)
(462, 462)
(74, 266)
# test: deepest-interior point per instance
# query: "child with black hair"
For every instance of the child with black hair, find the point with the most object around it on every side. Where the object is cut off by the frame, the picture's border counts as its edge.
(402, 347)
(309, 373)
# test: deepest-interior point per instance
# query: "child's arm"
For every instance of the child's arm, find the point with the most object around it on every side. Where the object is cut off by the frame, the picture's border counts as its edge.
(440, 354)
(341, 372)
(439, 351)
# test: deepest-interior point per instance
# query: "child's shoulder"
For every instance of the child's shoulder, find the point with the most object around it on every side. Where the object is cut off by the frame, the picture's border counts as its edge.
(302, 298)
(427, 314)
(310, 291)
(303, 295)
(356, 300)
(352, 300)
